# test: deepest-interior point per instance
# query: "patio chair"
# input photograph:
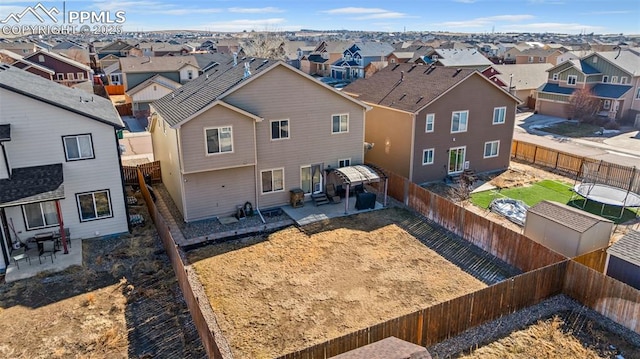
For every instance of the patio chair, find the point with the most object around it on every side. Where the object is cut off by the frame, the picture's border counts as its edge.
(332, 193)
(48, 249)
(58, 238)
(20, 254)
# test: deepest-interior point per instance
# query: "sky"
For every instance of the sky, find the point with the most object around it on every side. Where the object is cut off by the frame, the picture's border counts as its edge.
(473, 16)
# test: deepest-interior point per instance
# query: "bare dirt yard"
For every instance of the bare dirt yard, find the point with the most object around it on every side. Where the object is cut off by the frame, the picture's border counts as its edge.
(300, 287)
(123, 302)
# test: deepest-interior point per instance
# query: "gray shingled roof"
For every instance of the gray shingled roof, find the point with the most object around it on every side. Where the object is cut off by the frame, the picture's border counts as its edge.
(157, 79)
(573, 218)
(525, 76)
(420, 85)
(202, 91)
(627, 248)
(462, 57)
(39, 182)
(77, 101)
(156, 64)
(625, 59)
(374, 48)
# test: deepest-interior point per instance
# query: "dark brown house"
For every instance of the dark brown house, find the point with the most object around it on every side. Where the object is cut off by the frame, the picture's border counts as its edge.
(430, 122)
(67, 71)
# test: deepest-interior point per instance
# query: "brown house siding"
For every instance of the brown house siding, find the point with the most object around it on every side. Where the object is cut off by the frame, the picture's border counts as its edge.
(390, 132)
(192, 138)
(60, 68)
(479, 98)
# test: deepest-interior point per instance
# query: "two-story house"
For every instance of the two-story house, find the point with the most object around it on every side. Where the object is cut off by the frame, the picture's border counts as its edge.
(613, 77)
(59, 161)
(66, 71)
(251, 133)
(538, 55)
(318, 62)
(18, 61)
(108, 54)
(357, 57)
(430, 122)
(469, 58)
(136, 70)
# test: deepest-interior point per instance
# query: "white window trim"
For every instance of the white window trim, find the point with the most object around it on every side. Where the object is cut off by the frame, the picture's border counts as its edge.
(606, 104)
(504, 115)
(26, 221)
(262, 192)
(80, 75)
(484, 150)
(94, 205)
(288, 129)
(70, 76)
(605, 79)
(623, 80)
(572, 77)
(433, 123)
(339, 114)
(466, 125)
(206, 146)
(614, 79)
(555, 76)
(344, 160)
(449, 158)
(638, 93)
(433, 156)
(60, 76)
(80, 158)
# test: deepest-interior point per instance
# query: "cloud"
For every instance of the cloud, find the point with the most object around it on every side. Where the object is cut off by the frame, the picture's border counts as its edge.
(485, 21)
(246, 24)
(554, 27)
(364, 13)
(246, 10)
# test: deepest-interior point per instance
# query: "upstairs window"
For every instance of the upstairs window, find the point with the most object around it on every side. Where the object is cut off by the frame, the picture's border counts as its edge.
(219, 140)
(459, 121)
(40, 58)
(78, 147)
(605, 78)
(279, 129)
(499, 115)
(623, 80)
(431, 118)
(572, 79)
(340, 123)
(614, 79)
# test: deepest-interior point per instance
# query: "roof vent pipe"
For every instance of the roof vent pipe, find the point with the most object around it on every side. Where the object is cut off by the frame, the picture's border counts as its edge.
(247, 70)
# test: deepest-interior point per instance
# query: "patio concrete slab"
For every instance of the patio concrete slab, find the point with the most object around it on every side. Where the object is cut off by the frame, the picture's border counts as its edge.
(309, 213)
(60, 262)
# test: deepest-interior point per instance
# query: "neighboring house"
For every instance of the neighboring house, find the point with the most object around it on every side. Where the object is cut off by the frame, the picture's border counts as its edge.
(211, 61)
(409, 54)
(148, 91)
(136, 70)
(509, 56)
(18, 61)
(489, 50)
(421, 129)
(113, 74)
(613, 77)
(252, 134)
(623, 259)
(73, 51)
(537, 55)
(106, 55)
(67, 71)
(523, 79)
(20, 48)
(457, 58)
(357, 57)
(60, 159)
(319, 61)
(572, 55)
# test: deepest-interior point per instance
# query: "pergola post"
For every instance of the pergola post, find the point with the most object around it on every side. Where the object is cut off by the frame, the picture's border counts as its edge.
(346, 199)
(63, 236)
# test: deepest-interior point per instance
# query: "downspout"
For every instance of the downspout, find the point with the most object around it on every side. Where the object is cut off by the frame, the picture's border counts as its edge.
(181, 171)
(124, 191)
(255, 170)
(5, 243)
(6, 159)
(411, 148)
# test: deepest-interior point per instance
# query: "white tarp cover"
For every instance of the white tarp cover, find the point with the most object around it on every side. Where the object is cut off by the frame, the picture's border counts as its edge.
(513, 210)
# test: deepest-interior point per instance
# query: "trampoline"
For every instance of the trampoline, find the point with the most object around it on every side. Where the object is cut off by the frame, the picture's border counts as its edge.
(609, 195)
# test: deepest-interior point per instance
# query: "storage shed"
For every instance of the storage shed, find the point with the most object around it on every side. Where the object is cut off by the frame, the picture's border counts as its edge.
(567, 230)
(623, 259)
(388, 348)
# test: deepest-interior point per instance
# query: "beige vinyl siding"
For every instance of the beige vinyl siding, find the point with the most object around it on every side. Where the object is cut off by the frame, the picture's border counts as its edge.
(194, 150)
(390, 132)
(216, 193)
(559, 69)
(37, 129)
(308, 105)
(563, 76)
(165, 150)
(553, 97)
(480, 129)
(148, 94)
(607, 68)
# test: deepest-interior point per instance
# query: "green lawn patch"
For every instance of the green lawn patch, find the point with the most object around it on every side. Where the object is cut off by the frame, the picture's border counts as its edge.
(572, 129)
(553, 191)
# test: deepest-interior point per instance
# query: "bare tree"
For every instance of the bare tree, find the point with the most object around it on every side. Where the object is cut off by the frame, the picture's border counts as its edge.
(265, 44)
(583, 105)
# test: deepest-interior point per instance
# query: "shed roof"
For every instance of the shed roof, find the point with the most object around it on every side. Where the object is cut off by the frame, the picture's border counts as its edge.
(572, 218)
(627, 248)
(388, 348)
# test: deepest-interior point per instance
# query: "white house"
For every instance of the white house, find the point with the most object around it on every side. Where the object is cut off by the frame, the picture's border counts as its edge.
(59, 160)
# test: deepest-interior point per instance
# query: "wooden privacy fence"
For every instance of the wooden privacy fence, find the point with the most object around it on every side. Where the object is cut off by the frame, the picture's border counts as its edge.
(595, 260)
(114, 89)
(206, 335)
(448, 319)
(504, 243)
(152, 168)
(576, 166)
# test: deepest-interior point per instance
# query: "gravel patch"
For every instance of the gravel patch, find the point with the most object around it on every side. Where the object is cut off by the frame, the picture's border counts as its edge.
(581, 319)
(206, 227)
